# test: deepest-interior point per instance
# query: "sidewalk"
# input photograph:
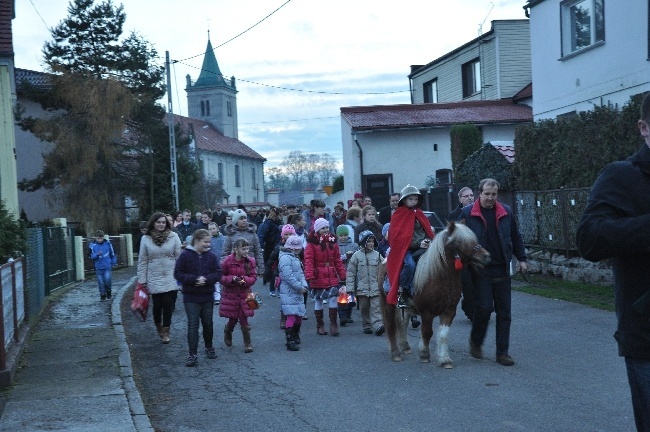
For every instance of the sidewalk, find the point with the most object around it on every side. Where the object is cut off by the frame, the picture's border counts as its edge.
(75, 373)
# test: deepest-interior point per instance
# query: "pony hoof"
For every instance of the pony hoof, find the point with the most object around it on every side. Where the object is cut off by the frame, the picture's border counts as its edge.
(396, 358)
(407, 350)
(447, 365)
(424, 360)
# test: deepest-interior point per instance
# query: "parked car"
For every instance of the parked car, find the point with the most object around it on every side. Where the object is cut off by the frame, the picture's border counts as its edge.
(436, 223)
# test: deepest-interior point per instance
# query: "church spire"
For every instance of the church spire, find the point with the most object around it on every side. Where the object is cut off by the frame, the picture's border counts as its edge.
(210, 74)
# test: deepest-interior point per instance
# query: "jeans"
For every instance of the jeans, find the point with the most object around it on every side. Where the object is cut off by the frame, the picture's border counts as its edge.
(408, 271)
(196, 312)
(492, 292)
(163, 307)
(638, 375)
(104, 279)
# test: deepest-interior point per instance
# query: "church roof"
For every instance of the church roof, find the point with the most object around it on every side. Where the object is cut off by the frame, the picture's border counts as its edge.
(209, 139)
(210, 75)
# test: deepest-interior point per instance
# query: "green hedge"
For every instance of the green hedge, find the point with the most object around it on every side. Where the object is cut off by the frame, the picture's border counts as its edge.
(571, 152)
(465, 140)
(487, 162)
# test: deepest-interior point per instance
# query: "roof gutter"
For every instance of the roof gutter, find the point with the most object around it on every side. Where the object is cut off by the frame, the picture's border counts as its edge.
(354, 137)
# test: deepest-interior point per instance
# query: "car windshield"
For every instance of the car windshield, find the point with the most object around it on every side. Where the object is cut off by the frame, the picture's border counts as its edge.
(435, 221)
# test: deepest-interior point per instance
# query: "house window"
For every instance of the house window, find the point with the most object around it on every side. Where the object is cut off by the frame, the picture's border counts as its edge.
(430, 90)
(202, 109)
(229, 108)
(253, 176)
(207, 108)
(471, 78)
(583, 24)
(237, 181)
(220, 172)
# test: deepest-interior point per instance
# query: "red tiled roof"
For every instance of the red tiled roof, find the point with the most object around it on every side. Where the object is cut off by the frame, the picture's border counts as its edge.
(6, 41)
(431, 115)
(508, 151)
(209, 139)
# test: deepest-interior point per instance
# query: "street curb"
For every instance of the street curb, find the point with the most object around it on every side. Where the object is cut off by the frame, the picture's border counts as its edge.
(138, 414)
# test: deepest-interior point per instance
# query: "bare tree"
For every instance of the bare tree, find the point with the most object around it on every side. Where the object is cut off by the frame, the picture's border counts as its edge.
(327, 169)
(276, 179)
(296, 166)
(312, 166)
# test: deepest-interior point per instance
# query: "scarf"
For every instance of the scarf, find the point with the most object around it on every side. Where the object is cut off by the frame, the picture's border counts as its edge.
(160, 237)
(400, 234)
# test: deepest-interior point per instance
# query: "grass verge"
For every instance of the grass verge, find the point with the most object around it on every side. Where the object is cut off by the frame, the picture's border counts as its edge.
(596, 296)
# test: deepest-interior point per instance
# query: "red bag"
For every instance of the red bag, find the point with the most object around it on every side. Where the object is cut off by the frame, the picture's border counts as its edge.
(140, 302)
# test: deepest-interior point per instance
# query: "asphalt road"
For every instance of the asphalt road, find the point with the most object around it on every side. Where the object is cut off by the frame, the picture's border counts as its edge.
(567, 377)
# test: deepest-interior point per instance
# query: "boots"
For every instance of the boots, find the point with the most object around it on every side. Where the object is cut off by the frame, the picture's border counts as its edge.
(283, 321)
(342, 315)
(165, 335)
(296, 333)
(334, 328)
(227, 336)
(159, 329)
(291, 341)
(320, 325)
(246, 332)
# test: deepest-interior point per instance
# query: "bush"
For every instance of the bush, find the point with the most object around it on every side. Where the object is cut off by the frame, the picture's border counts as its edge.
(337, 184)
(465, 140)
(487, 162)
(12, 235)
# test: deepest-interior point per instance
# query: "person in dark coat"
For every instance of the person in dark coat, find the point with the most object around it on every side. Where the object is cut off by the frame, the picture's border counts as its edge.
(496, 229)
(465, 198)
(385, 213)
(616, 225)
(186, 228)
(198, 271)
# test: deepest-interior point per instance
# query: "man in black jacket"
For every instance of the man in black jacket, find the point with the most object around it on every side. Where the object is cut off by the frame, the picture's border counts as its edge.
(385, 213)
(616, 224)
(465, 198)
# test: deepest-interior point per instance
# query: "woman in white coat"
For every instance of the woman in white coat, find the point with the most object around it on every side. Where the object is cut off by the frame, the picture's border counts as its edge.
(159, 249)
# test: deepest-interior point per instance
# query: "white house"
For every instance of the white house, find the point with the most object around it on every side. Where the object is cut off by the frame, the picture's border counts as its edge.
(387, 147)
(495, 65)
(587, 53)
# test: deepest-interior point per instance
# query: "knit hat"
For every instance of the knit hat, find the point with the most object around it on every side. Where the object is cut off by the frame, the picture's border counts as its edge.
(343, 230)
(287, 229)
(320, 224)
(384, 230)
(236, 215)
(293, 242)
(364, 236)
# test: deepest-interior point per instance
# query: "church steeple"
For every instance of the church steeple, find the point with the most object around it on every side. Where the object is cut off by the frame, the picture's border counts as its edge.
(210, 73)
(211, 98)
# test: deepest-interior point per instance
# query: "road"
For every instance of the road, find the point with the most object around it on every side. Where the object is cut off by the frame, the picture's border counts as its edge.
(567, 377)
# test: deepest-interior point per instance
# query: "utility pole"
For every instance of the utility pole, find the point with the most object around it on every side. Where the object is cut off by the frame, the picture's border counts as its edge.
(172, 135)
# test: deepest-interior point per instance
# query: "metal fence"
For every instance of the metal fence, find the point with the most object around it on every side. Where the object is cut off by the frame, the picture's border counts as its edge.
(13, 308)
(59, 252)
(549, 219)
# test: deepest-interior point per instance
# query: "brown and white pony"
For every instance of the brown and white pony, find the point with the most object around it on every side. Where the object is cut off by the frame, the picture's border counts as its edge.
(436, 292)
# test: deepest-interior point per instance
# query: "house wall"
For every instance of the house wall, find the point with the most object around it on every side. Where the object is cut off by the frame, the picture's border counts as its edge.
(248, 188)
(8, 192)
(505, 65)
(605, 74)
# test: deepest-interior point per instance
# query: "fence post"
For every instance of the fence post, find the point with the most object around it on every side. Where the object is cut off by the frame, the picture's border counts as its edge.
(79, 258)
(129, 248)
(565, 224)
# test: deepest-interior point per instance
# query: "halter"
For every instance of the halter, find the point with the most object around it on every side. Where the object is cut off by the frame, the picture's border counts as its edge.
(458, 263)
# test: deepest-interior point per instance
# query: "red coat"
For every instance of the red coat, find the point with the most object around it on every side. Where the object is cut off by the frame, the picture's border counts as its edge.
(233, 295)
(323, 265)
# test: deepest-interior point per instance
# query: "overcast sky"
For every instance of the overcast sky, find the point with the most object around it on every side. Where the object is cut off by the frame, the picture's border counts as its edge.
(317, 47)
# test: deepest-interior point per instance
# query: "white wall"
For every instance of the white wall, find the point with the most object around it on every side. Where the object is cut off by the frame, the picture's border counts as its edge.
(609, 73)
(246, 188)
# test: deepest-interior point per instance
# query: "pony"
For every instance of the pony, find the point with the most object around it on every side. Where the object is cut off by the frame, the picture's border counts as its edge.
(436, 292)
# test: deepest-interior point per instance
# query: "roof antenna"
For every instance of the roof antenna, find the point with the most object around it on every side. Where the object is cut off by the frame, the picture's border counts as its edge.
(480, 26)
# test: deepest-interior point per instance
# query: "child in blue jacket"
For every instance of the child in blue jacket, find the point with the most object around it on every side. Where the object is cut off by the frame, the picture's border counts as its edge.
(104, 258)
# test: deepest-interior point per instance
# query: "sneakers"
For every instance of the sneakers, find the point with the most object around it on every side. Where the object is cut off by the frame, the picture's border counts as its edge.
(415, 322)
(210, 353)
(380, 331)
(475, 350)
(272, 293)
(403, 300)
(103, 297)
(505, 360)
(192, 360)
(108, 295)
(367, 331)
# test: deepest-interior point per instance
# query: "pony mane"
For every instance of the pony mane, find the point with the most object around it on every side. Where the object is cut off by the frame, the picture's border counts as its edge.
(433, 263)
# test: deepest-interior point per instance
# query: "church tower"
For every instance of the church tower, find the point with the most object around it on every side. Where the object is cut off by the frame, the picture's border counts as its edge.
(211, 98)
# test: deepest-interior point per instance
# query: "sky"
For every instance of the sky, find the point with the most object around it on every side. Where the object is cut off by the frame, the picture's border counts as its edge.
(297, 67)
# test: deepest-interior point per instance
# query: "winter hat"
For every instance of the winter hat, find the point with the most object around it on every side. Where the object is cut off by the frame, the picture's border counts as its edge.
(343, 230)
(384, 230)
(236, 215)
(364, 236)
(320, 224)
(293, 242)
(357, 195)
(288, 229)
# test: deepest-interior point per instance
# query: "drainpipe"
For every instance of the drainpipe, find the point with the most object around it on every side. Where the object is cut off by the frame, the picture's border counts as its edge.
(354, 137)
